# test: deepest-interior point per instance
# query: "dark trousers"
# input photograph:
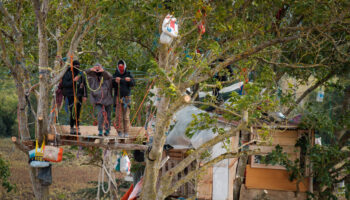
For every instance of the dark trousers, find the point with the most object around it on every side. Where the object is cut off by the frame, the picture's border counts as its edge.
(74, 116)
(102, 113)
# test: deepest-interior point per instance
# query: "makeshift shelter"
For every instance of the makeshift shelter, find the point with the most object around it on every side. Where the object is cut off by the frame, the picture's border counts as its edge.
(217, 182)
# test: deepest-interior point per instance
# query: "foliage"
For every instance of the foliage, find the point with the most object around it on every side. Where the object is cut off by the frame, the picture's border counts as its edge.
(5, 174)
(8, 108)
(269, 39)
(330, 165)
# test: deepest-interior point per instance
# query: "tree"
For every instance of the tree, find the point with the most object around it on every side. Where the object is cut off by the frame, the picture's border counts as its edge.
(13, 43)
(267, 38)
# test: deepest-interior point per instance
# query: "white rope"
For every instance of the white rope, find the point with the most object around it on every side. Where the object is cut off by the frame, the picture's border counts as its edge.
(106, 161)
(103, 169)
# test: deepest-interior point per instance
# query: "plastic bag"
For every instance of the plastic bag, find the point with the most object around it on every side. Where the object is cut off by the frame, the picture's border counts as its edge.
(165, 38)
(117, 164)
(36, 158)
(170, 26)
(125, 164)
(39, 164)
(53, 154)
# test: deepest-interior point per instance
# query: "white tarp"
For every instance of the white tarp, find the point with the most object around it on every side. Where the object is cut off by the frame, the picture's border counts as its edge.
(177, 138)
(227, 89)
(220, 174)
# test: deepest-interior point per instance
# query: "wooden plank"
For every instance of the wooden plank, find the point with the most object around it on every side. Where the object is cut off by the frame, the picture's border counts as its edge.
(205, 185)
(252, 194)
(116, 146)
(281, 137)
(285, 133)
(92, 131)
(232, 167)
(268, 149)
(272, 179)
(284, 141)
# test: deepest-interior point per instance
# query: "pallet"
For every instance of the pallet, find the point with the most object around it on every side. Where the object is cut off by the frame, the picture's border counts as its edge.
(90, 134)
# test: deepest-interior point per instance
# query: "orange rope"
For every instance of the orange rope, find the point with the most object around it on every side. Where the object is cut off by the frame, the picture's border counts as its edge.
(75, 99)
(149, 88)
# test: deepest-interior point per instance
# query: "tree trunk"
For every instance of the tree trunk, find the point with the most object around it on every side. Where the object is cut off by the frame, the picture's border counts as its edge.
(41, 10)
(153, 158)
(22, 115)
(242, 163)
(40, 192)
(149, 190)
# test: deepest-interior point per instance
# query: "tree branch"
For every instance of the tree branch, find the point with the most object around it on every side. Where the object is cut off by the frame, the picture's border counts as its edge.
(310, 89)
(185, 162)
(217, 107)
(194, 173)
(292, 65)
(9, 20)
(20, 145)
(202, 77)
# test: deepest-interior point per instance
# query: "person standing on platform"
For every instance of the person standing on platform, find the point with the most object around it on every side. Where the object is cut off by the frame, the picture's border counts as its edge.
(80, 93)
(100, 83)
(122, 83)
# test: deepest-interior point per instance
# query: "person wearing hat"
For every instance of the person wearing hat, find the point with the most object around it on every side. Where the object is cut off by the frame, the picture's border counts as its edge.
(100, 82)
(122, 84)
(68, 92)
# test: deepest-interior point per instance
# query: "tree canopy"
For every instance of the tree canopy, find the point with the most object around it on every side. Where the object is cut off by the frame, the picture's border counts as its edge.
(268, 42)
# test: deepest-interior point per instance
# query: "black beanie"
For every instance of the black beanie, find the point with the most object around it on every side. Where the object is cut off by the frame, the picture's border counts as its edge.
(75, 62)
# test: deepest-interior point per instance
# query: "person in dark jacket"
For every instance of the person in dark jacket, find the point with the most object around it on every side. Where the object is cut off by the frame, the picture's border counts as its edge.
(100, 83)
(122, 83)
(80, 93)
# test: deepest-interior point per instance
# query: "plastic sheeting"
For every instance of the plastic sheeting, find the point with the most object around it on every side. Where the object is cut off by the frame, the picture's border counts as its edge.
(224, 91)
(177, 138)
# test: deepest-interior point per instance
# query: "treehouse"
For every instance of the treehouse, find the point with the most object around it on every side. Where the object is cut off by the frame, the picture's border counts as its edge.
(218, 181)
(273, 181)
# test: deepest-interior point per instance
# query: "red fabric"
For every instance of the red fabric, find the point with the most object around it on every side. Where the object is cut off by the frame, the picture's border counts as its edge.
(121, 68)
(137, 190)
(127, 194)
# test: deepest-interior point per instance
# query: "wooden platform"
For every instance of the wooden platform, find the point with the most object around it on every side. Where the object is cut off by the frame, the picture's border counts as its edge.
(89, 138)
(90, 133)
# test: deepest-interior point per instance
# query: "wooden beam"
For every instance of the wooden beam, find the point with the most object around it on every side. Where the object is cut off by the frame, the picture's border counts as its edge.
(115, 146)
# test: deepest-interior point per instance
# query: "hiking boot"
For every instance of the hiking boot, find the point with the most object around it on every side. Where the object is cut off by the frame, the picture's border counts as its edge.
(72, 131)
(78, 131)
(100, 133)
(106, 132)
(126, 135)
(120, 134)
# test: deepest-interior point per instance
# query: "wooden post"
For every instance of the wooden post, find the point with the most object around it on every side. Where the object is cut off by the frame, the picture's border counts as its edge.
(242, 163)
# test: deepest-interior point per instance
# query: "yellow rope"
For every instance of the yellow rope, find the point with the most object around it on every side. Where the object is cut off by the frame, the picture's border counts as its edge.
(88, 86)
